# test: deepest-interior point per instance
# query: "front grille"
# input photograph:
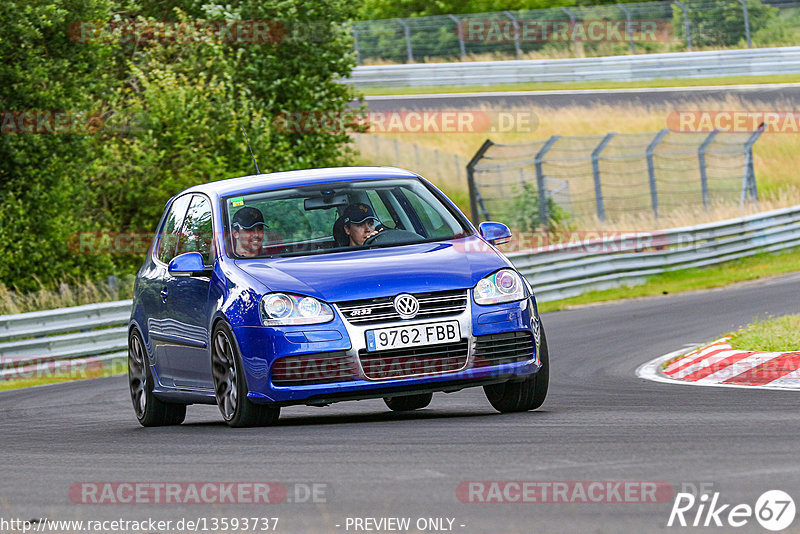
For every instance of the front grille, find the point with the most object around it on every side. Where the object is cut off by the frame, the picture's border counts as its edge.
(313, 369)
(497, 349)
(414, 361)
(381, 310)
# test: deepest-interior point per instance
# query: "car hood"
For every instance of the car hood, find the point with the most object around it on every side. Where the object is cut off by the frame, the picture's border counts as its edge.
(360, 274)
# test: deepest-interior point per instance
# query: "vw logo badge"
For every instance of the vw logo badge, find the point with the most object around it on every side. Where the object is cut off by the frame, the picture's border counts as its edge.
(406, 305)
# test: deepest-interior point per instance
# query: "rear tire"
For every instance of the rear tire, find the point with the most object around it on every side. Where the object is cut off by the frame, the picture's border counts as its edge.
(230, 386)
(407, 403)
(149, 410)
(526, 395)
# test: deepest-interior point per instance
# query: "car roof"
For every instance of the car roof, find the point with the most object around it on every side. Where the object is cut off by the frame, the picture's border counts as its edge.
(281, 180)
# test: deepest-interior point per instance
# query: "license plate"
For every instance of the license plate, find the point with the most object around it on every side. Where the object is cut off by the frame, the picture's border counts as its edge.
(413, 336)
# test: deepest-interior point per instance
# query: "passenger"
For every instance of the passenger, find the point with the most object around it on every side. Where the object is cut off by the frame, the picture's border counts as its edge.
(248, 232)
(359, 223)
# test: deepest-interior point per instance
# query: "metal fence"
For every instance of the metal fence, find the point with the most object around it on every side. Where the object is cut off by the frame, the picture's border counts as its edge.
(580, 31)
(747, 62)
(530, 184)
(31, 342)
(562, 271)
(71, 341)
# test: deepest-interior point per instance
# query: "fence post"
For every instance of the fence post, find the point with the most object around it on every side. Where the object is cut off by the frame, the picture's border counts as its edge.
(544, 212)
(701, 156)
(746, 23)
(651, 169)
(355, 44)
(473, 190)
(113, 285)
(572, 29)
(516, 33)
(686, 24)
(396, 152)
(460, 35)
(407, 32)
(598, 186)
(628, 29)
(749, 182)
(416, 156)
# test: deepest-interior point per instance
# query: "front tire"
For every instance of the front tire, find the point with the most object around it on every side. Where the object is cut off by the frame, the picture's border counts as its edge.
(149, 410)
(526, 395)
(407, 403)
(230, 385)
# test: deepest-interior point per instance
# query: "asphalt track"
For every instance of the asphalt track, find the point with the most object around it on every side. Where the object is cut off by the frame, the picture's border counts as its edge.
(599, 422)
(784, 97)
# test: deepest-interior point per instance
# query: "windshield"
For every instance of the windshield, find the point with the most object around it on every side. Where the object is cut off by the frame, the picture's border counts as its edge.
(334, 217)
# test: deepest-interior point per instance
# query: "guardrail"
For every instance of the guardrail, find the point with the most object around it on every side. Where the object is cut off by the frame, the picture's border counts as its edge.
(31, 342)
(73, 339)
(562, 271)
(707, 64)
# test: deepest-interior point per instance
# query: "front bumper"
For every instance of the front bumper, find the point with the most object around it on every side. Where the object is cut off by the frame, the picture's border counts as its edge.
(261, 346)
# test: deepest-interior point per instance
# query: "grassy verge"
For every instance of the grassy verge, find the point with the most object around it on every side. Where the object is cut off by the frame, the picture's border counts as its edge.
(745, 269)
(556, 86)
(781, 334)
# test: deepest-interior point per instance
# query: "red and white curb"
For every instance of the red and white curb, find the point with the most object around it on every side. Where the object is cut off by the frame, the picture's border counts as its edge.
(718, 364)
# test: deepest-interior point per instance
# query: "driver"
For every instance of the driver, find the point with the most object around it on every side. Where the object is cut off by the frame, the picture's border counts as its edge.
(248, 232)
(359, 223)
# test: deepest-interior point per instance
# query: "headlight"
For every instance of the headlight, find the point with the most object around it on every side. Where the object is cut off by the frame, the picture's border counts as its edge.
(281, 309)
(506, 285)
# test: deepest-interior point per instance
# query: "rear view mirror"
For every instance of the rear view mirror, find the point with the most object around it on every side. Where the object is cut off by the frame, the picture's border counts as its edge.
(494, 232)
(322, 202)
(188, 264)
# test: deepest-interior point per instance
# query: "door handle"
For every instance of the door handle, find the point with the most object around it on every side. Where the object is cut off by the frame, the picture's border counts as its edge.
(164, 294)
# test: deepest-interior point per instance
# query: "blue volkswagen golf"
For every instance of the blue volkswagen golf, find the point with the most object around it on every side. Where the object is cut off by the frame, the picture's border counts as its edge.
(318, 286)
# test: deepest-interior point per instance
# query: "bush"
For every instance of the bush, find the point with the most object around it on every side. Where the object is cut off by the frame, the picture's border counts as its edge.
(720, 23)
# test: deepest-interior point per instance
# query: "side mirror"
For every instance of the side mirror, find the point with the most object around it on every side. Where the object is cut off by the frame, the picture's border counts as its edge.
(494, 232)
(188, 264)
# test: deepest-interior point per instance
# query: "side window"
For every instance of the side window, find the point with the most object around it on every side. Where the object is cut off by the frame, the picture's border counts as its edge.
(380, 208)
(168, 240)
(430, 218)
(196, 234)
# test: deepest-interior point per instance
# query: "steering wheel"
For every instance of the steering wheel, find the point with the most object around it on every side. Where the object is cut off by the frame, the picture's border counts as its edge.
(392, 236)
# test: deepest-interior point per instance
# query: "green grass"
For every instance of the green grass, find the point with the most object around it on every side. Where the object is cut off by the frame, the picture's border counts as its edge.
(752, 268)
(781, 334)
(553, 86)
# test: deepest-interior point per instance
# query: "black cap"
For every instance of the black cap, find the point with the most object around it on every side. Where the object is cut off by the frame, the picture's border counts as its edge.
(246, 218)
(358, 213)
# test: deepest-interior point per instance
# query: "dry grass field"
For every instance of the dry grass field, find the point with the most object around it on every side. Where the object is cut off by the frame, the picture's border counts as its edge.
(776, 155)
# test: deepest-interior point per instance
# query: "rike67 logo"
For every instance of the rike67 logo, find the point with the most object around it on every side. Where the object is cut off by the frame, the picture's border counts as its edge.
(774, 510)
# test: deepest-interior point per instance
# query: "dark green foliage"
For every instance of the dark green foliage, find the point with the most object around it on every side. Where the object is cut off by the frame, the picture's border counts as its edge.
(524, 214)
(171, 112)
(720, 23)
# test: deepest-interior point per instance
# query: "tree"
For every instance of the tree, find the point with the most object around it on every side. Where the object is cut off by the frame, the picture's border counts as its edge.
(49, 86)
